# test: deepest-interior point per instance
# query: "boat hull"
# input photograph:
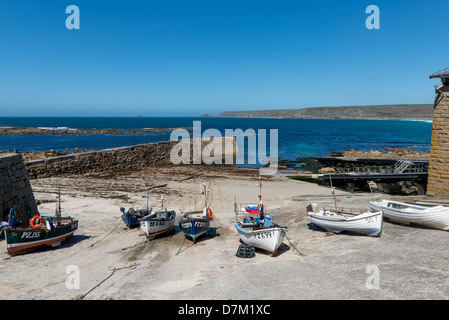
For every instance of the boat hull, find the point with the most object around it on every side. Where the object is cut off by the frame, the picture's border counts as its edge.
(155, 227)
(433, 217)
(131, 220)
(21, 240)
(265, 238)
(368, 223)
(194, 228)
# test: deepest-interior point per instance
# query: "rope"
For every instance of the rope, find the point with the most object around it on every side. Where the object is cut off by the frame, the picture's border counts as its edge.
(181, 244)
(302, 254)
(131, 267)
(105, 235)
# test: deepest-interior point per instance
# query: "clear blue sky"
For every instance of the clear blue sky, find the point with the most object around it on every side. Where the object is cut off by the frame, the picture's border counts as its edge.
(185, 58)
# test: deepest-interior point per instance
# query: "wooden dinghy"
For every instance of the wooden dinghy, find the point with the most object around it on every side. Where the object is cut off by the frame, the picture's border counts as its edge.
(436, 217)
(339, 220)
(367, 223)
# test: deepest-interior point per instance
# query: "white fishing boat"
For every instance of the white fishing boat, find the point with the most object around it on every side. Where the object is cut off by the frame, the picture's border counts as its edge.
(256, 228)
(367, 223)
(158, 222)
(266, 238)
(430, 216)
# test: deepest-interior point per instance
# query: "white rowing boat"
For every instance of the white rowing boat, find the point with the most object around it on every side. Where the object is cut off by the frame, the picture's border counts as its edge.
(339, 220)
(367, 223)
(430, 216)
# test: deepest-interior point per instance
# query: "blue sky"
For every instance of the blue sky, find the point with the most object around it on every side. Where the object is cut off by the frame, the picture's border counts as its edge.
(186, 58)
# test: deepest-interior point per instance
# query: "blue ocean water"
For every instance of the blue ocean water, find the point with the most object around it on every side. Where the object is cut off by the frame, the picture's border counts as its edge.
(296, 137)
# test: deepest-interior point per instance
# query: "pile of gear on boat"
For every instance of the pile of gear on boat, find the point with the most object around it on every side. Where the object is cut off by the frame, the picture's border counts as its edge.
(254, 226)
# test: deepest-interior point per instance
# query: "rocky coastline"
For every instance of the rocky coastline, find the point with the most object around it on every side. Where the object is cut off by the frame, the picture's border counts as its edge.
(79, 132)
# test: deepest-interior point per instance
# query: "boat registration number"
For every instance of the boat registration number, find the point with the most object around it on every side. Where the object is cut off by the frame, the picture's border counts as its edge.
(263, 235)
(371, 219)
(30, 235)
(185, 225)
(157, 223)
(200, 224)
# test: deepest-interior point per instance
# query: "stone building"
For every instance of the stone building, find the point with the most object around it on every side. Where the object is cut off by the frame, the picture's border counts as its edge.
(438, 181)
(15, 189)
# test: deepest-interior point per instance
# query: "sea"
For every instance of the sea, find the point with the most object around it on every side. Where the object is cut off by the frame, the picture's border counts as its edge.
(297, 138)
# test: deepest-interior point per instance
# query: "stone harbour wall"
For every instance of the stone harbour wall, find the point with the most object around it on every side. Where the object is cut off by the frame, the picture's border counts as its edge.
(15, 189)
(438, 181)
(137, 156)
(101, 160)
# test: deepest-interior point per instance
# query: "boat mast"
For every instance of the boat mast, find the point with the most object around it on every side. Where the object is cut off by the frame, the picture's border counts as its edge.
(205, 195)
(162, 201)
(333, 192)
(260, 198)
(59, 205)
(148, 197)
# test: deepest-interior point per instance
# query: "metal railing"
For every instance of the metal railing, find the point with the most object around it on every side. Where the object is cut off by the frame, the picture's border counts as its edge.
(390, 156)
(411, 168)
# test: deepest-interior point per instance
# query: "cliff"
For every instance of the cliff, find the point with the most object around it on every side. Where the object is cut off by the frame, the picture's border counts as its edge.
(416, 112)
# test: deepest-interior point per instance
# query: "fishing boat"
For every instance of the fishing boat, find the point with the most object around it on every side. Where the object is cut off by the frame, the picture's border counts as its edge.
(42, 231)
(256, 228)
(368, 223)
(436, 217)
(132, 217)
(344, 219)
(158, 222)
(196, 223)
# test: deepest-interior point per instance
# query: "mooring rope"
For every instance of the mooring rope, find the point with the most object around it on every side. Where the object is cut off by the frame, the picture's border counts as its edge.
(105, 235)
(131, 266)
(181, 245)
(302, 254)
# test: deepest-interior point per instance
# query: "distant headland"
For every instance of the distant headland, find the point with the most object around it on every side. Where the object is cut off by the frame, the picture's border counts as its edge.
(403, 112)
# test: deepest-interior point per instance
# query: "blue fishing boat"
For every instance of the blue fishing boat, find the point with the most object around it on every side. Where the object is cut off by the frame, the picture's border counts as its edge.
(132, 217)
(196, 223)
